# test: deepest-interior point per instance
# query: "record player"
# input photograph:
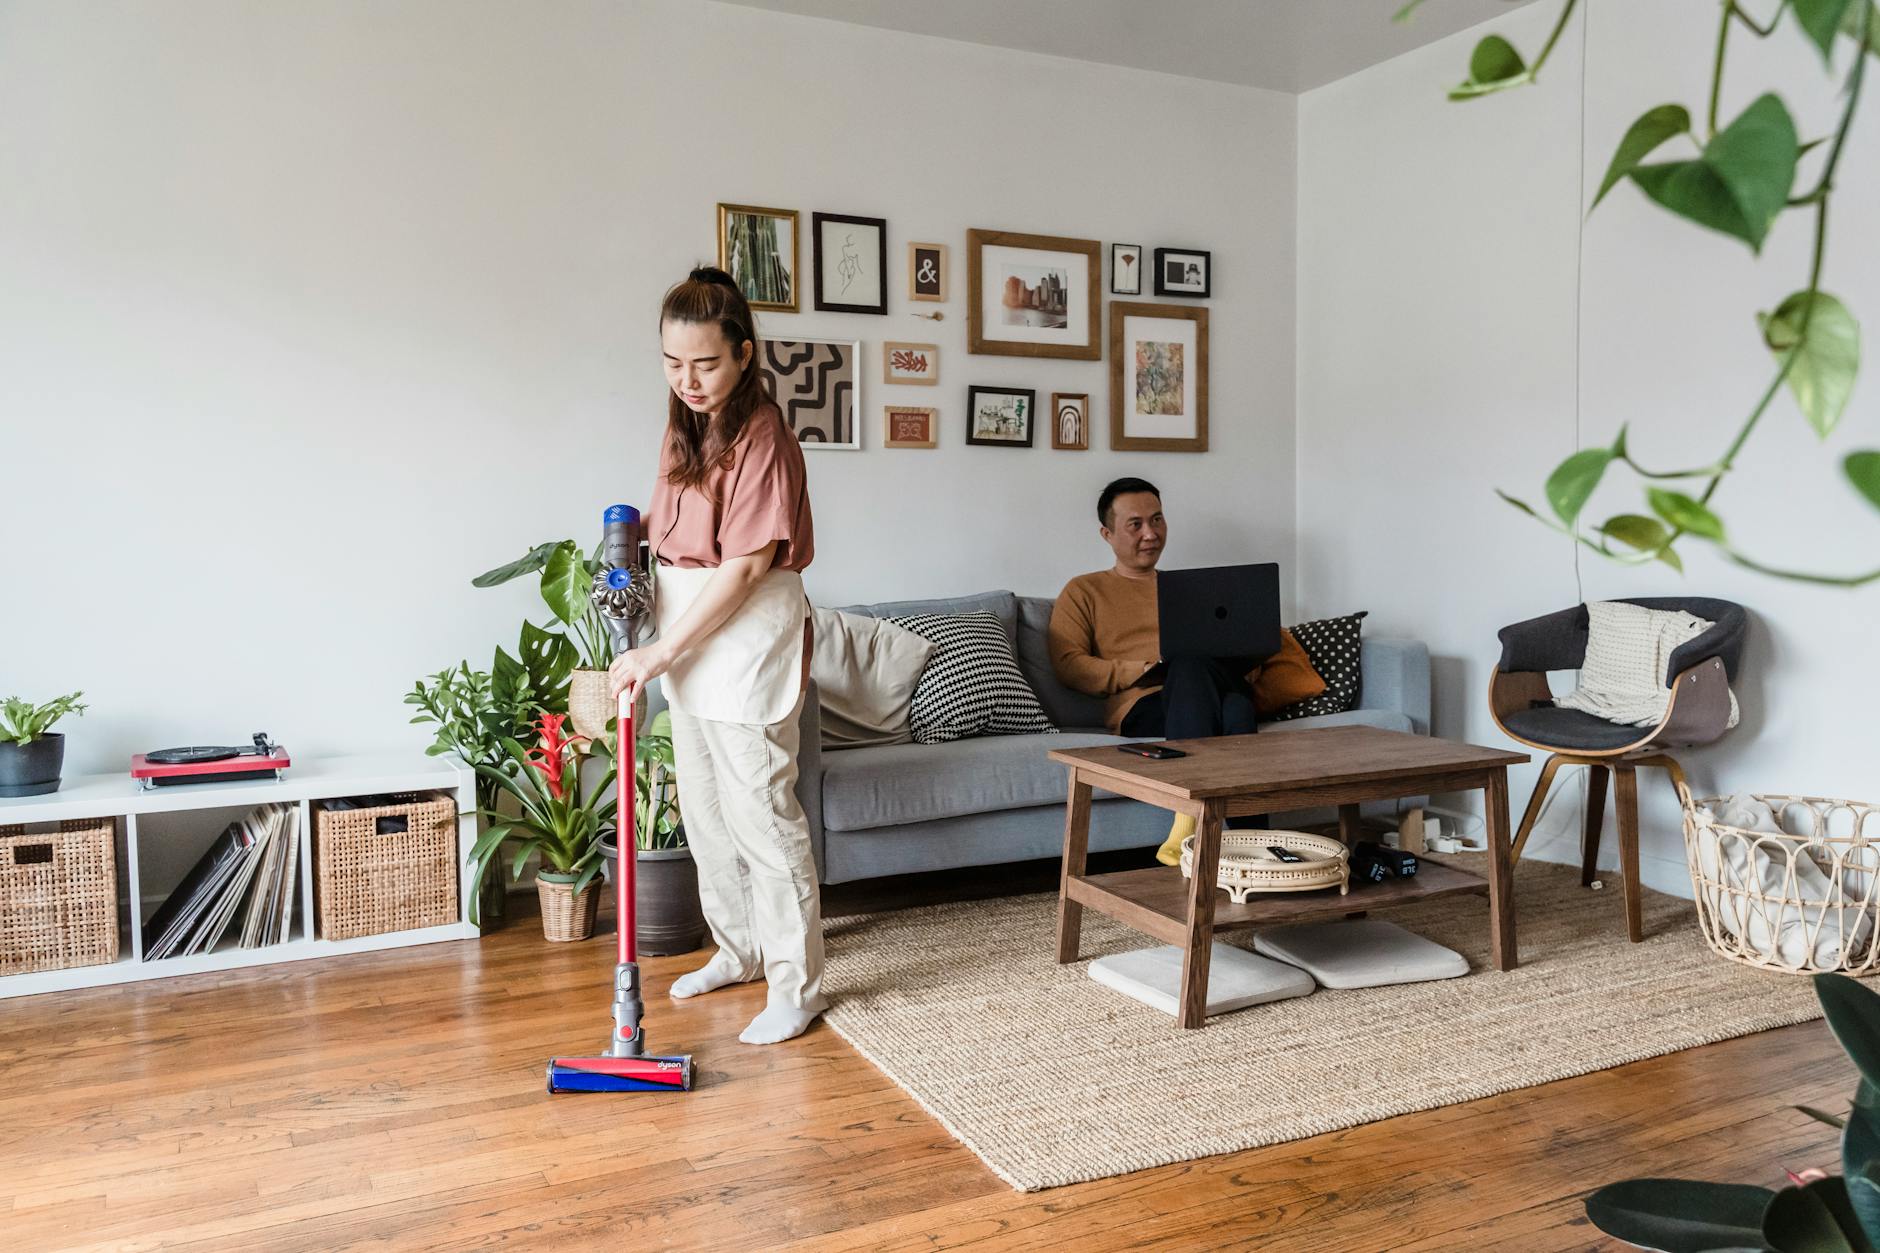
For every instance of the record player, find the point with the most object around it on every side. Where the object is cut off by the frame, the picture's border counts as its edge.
(209, 763)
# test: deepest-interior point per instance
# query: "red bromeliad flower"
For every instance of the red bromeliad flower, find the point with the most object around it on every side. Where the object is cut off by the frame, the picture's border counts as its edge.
(551, 757)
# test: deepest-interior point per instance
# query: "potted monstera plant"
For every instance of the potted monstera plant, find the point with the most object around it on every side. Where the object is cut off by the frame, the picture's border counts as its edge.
(560, 818)
(665, 885)
(567, 577)
(32, 756)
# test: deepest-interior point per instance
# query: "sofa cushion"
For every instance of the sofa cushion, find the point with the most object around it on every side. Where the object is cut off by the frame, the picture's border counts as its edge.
(865, 670)
(1384, 719)
(898, 784)
(972, 685)
(1334, 647)
(1066, 707)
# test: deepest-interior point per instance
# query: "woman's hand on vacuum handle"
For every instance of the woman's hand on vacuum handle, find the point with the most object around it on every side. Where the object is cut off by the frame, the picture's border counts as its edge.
(632, 670)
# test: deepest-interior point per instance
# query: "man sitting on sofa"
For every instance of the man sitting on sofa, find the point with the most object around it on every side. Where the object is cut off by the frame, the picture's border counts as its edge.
(1105, 640)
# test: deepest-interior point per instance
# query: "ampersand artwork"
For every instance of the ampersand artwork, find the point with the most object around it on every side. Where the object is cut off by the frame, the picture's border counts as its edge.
(929, 272)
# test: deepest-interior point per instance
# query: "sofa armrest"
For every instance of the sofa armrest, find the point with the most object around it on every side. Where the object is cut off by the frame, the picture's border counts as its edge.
(1395, 674)
(809, 770)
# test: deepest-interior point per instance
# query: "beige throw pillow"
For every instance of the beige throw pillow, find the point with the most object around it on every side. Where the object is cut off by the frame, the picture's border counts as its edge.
(866, 670)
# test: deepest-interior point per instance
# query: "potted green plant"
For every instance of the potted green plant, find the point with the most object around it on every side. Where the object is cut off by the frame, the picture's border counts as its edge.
(665, 885)
(558, 818)
(567, 577)
(32, 756)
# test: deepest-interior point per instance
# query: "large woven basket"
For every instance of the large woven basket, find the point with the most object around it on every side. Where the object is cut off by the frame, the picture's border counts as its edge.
(58, 896)
(1247, 867)
(372, 877)
(1800, 902)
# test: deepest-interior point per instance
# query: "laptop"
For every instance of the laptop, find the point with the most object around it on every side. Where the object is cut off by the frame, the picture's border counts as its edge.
(1227, 612)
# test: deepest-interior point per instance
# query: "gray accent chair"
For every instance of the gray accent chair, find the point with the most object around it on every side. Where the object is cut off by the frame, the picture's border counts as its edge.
(905, 808)
(1522, 703)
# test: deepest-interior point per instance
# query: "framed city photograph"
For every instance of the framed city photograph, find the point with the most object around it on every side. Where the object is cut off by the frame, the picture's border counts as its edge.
(916, 364)
(758, 248)
(1070, 421)
(817, 383)
(1033, 295)
(851, 263)
(911, 427)
(1183, 272)
(926, 271)
(1158, 377)
(999, 416)
(1126, 269)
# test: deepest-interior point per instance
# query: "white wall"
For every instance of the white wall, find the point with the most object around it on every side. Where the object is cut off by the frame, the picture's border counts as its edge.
(309, 313)
(1437, 251)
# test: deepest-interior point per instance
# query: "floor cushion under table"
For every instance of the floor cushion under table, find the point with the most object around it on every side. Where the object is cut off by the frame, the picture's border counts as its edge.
(1236, 978)
(1360, 953)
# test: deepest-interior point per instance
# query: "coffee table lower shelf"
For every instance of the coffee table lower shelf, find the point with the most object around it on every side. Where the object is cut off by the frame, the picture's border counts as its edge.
(1155, 900)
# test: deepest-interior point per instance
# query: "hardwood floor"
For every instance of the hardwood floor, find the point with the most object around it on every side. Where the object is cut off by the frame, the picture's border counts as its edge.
(395, 1100)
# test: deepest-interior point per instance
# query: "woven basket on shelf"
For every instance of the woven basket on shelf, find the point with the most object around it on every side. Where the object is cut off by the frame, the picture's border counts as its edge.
(1247, 867)
(58, 896)
(1758, 904)
(371, 878)
(567, 915)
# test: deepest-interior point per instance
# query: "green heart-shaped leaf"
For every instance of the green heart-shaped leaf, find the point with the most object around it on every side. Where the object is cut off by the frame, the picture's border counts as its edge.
(1645, 134)
(1742, 180)
(1857, 15)
(1820, 19)
(1827, 354)
(1863, 471)
(1637, 531)
(1685, 513)
(1574, 479)
(565, 583)
(1817, 1218)
(1493, 66)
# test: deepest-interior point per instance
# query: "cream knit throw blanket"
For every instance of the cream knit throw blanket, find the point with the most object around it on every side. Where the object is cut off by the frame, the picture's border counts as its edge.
(1628, 649)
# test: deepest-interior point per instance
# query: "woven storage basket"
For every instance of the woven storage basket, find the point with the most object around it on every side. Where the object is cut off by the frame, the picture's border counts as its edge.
(58, 896)
(368, 882)
(1246, 867)
(1760, 903)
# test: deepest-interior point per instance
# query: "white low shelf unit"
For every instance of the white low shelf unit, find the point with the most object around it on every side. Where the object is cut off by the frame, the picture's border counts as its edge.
(306, 781)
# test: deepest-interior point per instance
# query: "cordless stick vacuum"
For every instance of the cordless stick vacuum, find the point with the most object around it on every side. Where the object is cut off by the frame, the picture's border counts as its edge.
(620, 593)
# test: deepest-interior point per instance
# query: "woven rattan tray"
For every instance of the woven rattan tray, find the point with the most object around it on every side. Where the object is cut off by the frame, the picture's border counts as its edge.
(1246, 867)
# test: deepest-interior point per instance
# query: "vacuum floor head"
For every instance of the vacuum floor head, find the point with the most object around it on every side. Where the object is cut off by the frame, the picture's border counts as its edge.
(620, 1074)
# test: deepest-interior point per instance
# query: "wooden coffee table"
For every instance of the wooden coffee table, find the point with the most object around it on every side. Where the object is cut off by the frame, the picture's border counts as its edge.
(1258, 774)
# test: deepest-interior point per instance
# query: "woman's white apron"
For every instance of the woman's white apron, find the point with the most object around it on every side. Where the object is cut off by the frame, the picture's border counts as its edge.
(751, 668)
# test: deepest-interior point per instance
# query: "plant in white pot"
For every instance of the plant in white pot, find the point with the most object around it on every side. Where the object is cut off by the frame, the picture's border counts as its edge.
(32, 756)
(567, 577)
(665, 885)
(558, 818)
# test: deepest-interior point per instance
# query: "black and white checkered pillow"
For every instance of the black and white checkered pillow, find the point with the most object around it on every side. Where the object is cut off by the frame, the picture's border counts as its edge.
(1332, 646)
(972, 685)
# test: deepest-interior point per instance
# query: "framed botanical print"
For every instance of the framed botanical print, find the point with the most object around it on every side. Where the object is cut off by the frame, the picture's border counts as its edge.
(1070, 421)
(911, 427)
(817, 383)
(926, 271)
(1000, 416)
(1183, 272)
(1033, 295)
(758, 248)
(1126, 269)
(916, 364)
(1158, 377)
(851, 263)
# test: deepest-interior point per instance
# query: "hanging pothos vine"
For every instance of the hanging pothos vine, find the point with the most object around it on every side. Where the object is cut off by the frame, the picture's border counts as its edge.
(1739, 181)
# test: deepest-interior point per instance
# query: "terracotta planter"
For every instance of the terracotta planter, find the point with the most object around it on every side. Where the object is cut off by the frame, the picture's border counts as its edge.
(566, 914)
(590, 707)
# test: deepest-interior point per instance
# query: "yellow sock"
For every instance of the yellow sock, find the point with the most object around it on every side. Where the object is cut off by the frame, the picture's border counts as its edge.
(1170, 854)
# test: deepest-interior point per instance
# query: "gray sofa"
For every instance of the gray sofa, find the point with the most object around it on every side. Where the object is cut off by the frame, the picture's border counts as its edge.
(905, 808)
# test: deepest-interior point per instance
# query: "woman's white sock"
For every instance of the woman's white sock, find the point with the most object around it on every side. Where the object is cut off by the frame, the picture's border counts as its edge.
(713, 975)
(778, 1023)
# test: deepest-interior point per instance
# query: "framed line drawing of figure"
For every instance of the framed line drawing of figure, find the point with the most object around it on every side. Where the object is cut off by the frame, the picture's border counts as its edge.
(851, 263)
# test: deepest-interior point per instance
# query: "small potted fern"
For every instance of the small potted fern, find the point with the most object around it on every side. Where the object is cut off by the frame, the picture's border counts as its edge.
(32, 756)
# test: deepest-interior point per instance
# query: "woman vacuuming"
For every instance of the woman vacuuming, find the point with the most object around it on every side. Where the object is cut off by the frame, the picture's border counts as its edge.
(730, 530)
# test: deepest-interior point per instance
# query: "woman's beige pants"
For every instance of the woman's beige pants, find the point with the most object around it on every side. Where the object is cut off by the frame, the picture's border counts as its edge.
(756, 875)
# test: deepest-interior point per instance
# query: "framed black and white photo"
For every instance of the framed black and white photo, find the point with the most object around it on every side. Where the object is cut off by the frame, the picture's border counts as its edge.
(1070, 421)
(927, 272)
(817, 383)
(758, 248)
(1182, 272)
(851, 263)
(1158, 377)
(1000, 417)
(1033, 295)
(1126, 269)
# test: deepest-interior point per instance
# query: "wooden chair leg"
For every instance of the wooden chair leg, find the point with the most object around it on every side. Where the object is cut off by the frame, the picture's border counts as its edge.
(1594, 824)
(1627, 805)
(1535, 802)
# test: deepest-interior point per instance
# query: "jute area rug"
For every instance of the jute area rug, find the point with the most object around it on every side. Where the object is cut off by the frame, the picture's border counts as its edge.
(1052, 1078)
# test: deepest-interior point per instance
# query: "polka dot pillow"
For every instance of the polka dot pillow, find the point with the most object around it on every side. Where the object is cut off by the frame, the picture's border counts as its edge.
(1331, 646)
